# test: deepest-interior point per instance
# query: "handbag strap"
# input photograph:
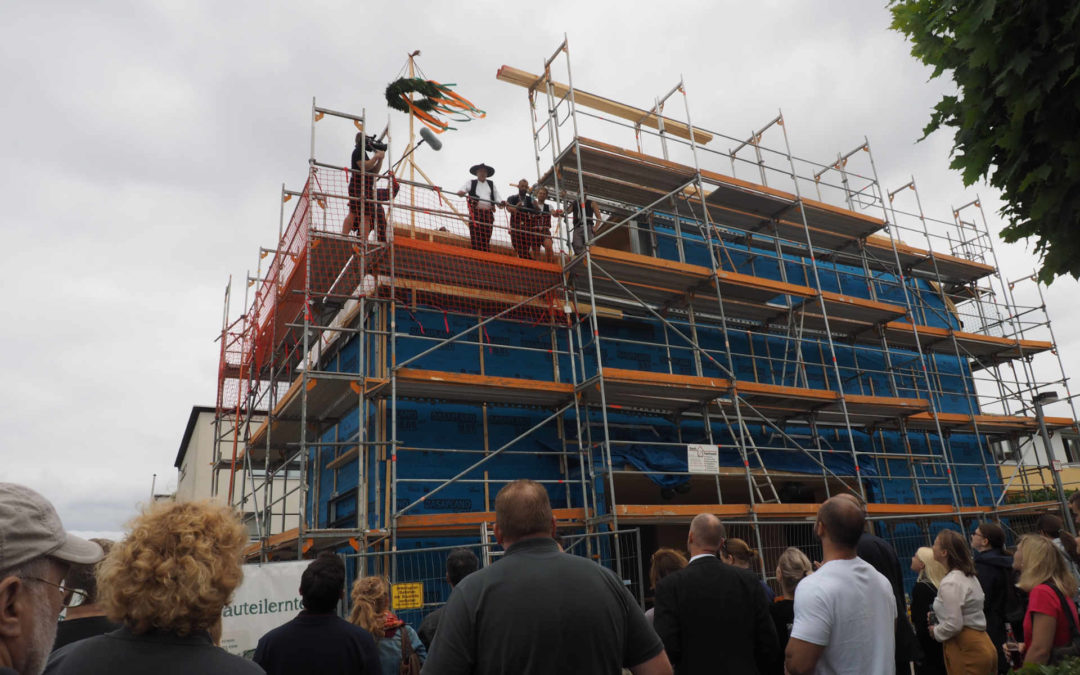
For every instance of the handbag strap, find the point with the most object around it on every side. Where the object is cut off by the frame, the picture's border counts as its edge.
(1065, 609)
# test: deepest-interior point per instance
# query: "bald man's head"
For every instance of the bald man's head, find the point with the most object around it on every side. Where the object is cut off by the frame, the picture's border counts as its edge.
(853, 498)
(522, 509)
(842, 519)
(706, 532)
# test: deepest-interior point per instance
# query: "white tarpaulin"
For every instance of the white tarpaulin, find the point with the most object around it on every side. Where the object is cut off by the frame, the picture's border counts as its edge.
(268, 597)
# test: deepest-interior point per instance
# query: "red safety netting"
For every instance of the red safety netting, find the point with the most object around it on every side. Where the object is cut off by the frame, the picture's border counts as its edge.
(423, 245)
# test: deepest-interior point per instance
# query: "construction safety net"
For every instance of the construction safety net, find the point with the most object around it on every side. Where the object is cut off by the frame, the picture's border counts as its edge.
(353, 235)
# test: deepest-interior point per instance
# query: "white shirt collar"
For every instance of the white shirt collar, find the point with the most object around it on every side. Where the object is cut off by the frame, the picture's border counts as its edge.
(702, 555)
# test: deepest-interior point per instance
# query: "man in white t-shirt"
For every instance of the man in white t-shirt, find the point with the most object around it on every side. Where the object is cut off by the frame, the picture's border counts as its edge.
(845, 613)
(482, 198)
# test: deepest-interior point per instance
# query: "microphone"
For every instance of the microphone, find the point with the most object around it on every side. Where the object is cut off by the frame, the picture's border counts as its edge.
(425, 137)
(433, 142)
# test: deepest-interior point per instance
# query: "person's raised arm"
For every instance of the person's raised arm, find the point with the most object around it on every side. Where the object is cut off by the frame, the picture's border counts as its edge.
(375, 163)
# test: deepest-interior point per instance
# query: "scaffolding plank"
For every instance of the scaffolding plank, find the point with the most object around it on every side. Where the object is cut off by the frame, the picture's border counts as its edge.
(467, 387)
(760, 202)
(663, 281)
(669, 393)
(671, 513)
(950, 268)
(646, 118)
(992, 425)
(441, 523)
(985, 348)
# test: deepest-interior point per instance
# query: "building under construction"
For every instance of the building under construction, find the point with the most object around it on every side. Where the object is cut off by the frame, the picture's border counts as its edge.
(745, 333)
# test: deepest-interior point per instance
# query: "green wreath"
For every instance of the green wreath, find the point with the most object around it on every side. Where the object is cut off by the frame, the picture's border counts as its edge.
(406, 85)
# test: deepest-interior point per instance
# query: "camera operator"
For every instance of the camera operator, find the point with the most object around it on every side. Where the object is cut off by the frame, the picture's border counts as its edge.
(362, 187)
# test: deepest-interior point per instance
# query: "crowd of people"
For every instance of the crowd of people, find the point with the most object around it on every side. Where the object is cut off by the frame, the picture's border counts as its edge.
(153, 602)
(530, 214)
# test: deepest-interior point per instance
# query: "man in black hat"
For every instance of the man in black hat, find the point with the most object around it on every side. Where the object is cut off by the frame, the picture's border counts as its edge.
(482, 199)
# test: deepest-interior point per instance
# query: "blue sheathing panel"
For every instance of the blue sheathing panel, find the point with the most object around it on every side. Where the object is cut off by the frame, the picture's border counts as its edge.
(438, 440)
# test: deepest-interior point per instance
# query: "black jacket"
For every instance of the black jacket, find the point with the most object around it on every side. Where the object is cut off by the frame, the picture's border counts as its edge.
(995, 573)
(882, 557)
(714, 618)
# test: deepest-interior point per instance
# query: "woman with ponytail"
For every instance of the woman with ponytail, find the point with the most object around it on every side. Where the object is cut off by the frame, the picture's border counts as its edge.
(371, 611)
(737, 553)
(792, 568)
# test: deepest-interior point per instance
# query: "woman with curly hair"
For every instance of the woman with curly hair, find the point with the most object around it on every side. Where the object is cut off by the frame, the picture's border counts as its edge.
(166, 583)
(371, 611)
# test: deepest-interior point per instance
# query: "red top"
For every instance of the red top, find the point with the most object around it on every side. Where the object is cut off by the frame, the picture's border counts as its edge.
(1044, 600)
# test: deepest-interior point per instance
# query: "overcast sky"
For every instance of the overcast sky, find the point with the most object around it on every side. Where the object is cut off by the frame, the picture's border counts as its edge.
(146, 144)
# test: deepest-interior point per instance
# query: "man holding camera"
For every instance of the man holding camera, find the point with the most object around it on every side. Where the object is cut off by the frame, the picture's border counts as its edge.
(362, 188)
(482, 198)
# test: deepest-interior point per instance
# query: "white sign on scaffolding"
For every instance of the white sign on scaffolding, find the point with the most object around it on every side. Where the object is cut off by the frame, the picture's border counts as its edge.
(703, 458)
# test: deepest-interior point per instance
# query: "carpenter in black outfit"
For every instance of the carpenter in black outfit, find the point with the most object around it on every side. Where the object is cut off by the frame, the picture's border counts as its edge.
(362, 189)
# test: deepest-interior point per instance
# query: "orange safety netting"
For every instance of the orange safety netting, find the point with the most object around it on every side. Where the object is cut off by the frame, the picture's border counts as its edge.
(423, 246)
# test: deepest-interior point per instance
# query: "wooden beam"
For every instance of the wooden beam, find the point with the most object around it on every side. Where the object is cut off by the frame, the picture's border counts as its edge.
(532, 82)
(467, 520)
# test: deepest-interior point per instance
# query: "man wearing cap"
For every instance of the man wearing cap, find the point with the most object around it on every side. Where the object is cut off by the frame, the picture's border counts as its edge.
(482, 199)
(35, 553)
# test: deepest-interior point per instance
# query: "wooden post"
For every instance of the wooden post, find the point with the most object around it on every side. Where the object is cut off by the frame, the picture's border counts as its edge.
(412, 140)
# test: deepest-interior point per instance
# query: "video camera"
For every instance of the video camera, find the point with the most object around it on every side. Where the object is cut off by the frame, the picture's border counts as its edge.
(371, 144)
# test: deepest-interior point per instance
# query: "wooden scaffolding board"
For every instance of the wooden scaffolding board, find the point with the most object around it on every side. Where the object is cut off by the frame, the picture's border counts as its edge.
(984, 348)
(670, 393)
(991, 425)
(659, 514)
(646, 118)
(618, 174)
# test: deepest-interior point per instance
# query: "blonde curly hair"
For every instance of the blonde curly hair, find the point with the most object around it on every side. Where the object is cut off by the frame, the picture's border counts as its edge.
(176, 569)
(370, 603)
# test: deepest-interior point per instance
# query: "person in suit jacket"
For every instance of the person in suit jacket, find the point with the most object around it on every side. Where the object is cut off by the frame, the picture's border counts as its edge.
(712, 617)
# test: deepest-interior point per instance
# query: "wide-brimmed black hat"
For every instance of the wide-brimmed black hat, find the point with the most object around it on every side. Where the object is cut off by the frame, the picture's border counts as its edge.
(481, 165)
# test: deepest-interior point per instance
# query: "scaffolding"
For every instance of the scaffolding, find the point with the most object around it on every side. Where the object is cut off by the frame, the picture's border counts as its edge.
(803, 329)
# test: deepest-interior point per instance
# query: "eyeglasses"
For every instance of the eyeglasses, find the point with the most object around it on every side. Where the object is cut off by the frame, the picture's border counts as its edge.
(976, 533)
(68, 594)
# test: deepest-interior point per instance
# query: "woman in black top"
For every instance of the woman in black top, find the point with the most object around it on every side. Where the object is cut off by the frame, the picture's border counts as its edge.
(931, 572)
(792, 568)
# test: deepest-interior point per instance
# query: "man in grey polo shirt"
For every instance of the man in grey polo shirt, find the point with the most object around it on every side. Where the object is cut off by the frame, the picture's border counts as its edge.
(35, 553)
(538, 610)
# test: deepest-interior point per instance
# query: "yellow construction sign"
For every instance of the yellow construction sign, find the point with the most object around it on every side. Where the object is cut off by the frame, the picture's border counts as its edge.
(407, 596)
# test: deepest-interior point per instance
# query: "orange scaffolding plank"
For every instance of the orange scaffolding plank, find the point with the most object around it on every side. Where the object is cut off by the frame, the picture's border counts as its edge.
(667, 392)
(613, 172)
(985, 348)
(468, 387)
(666, 513)
(987, 424)
(470, 521)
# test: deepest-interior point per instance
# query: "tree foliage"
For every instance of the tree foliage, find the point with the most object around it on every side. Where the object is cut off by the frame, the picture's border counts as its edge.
(1016, 114)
